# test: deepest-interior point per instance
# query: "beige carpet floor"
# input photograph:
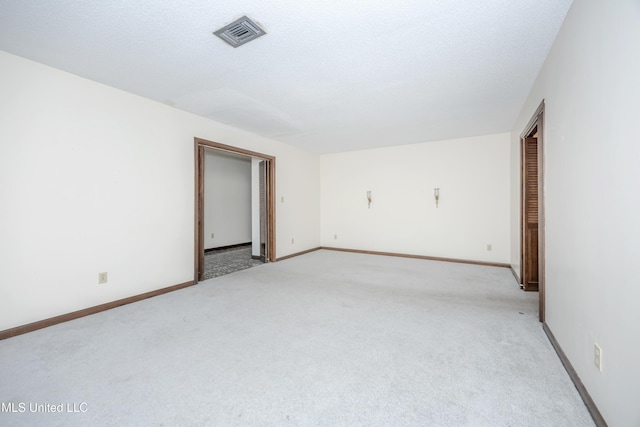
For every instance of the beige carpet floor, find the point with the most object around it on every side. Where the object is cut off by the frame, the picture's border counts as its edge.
(324, 339)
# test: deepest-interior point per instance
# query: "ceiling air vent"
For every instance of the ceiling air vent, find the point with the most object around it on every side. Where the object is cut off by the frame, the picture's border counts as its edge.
(240, 31)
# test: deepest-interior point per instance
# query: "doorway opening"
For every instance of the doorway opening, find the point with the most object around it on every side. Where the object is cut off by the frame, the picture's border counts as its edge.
(532, 207)
(262, 245)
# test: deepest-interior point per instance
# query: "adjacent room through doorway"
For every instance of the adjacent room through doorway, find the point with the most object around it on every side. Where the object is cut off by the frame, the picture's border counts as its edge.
(234, 210)
(228, 213)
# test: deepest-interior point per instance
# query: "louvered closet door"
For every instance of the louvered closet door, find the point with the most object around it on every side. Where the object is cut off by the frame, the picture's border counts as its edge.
(530, 281)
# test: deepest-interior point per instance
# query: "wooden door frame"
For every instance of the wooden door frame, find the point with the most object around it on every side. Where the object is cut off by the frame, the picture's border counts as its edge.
(536, 124)
(199, 145)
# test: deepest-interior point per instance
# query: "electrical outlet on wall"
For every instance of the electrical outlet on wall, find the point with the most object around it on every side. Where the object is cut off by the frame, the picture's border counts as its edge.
(212, 234)
(335, 237)
(102, 278)
(489, 247)
(292, 240)
(597, 356)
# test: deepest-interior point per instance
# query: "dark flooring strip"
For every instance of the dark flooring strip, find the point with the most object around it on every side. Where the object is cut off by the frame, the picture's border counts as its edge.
(218, 262)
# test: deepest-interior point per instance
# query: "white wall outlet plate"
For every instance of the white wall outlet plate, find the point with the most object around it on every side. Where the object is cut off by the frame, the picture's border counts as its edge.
(102, 278)
(597, 356)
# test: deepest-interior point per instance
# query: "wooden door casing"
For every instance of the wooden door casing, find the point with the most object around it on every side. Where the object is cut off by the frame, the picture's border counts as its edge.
(263, 171)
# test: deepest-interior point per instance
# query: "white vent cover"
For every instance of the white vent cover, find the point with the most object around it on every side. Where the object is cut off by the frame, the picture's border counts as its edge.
(240, 31)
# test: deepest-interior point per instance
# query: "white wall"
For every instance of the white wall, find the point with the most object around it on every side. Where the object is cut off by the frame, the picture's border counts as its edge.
(297, 204)
(591, 86)
(227, 199)
(95, 179)
(473, 177)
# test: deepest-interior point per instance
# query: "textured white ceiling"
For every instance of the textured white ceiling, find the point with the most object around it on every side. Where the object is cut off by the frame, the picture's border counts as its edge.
(331, 75)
